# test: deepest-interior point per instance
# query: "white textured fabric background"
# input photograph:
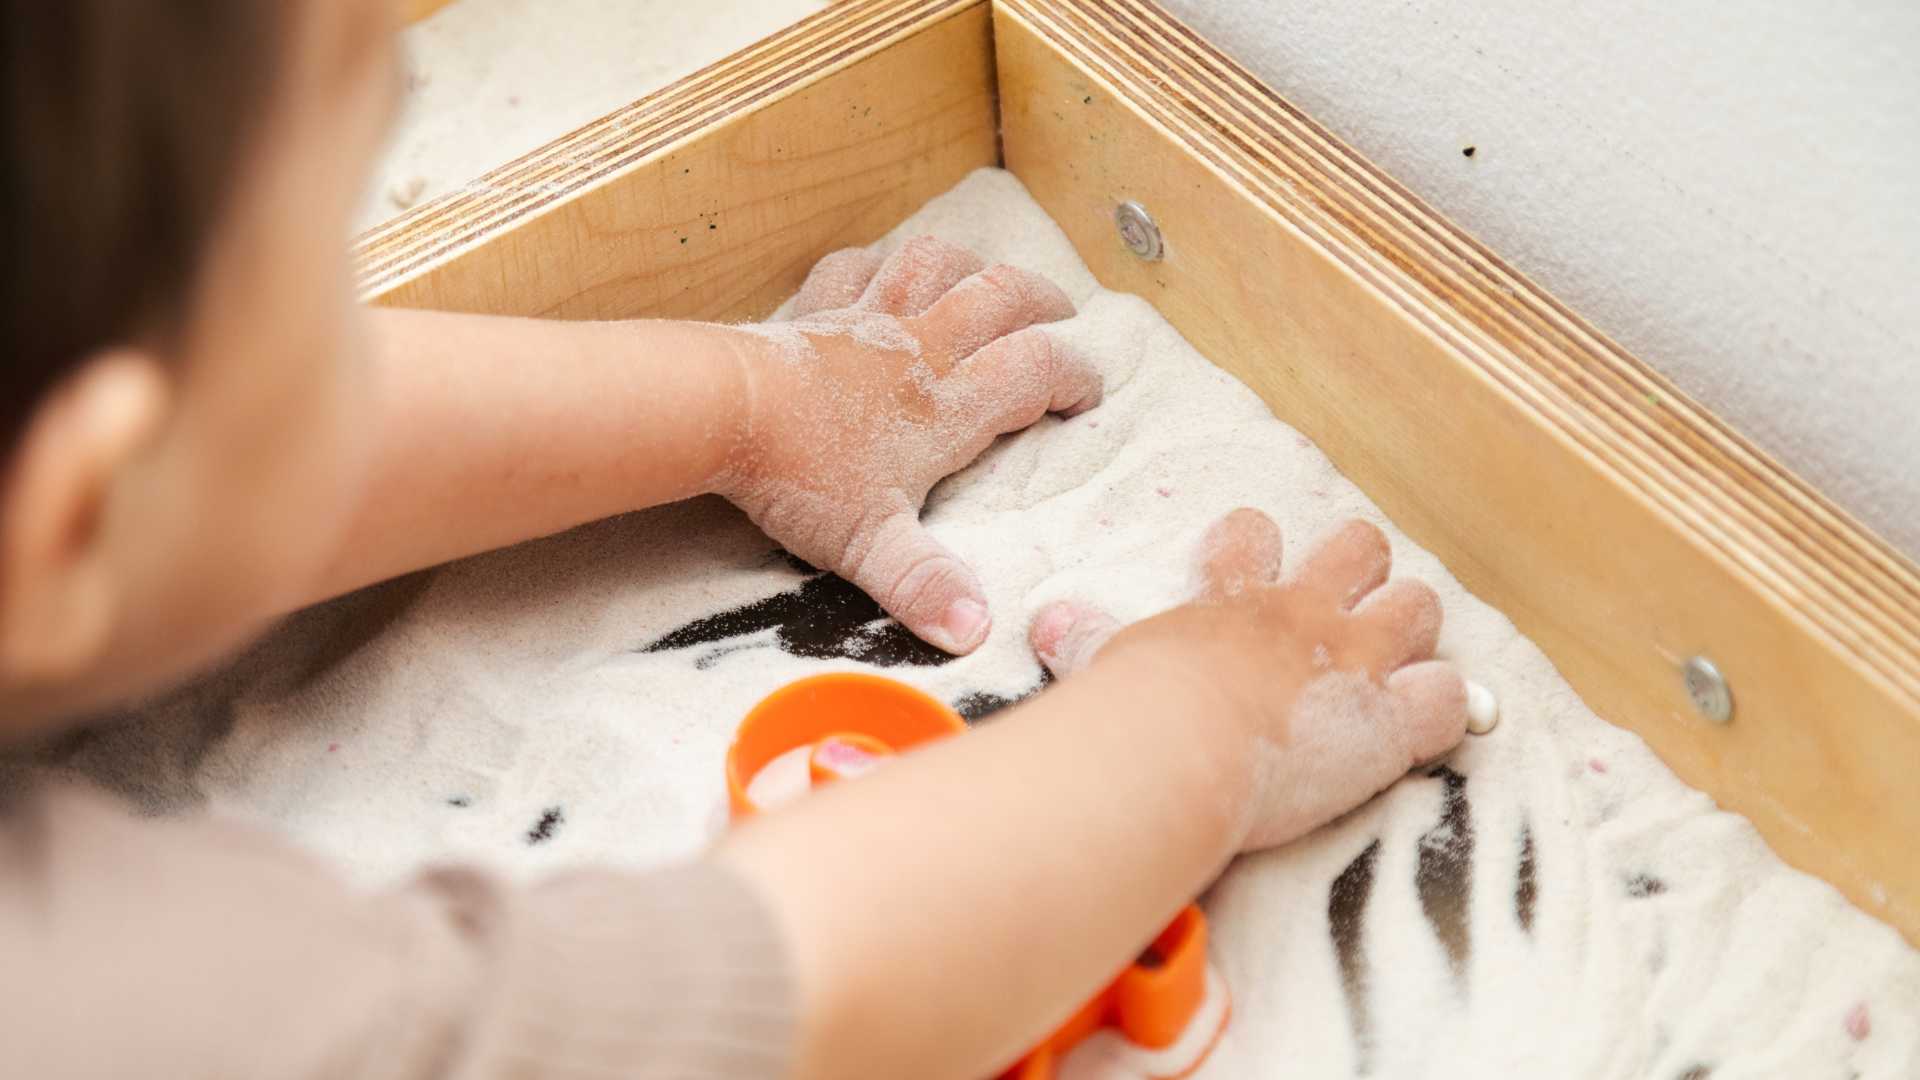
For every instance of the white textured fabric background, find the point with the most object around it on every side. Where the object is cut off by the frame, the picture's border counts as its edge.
(1731, 190)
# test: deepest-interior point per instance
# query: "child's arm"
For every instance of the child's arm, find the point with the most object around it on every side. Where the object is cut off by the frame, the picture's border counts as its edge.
(828, 431)
(930, 920)
(948, 910)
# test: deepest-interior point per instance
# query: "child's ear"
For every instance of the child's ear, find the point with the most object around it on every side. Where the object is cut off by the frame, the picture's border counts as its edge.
(59, 590)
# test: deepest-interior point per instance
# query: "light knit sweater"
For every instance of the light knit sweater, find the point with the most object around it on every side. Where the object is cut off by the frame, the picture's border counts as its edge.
(179, 948)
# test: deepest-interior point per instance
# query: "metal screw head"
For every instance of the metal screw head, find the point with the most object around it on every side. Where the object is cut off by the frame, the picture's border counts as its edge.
(1138, 231)
(1708, 688)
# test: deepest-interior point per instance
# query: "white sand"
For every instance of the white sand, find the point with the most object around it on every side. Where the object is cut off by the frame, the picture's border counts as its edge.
(491, 80)
(1562, 907)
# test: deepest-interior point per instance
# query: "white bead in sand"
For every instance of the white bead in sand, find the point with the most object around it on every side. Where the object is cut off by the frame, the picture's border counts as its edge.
(1483, 709)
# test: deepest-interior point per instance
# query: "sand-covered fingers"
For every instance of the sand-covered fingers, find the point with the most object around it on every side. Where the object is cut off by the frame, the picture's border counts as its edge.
(1430, 708)
(1346, 566)
(919, 581)
(1015, 381)
(988, 306)
(915, 277)
(1066, 635)
(837, 281)
(1399, 624)
(1239, 553)
(895, 374)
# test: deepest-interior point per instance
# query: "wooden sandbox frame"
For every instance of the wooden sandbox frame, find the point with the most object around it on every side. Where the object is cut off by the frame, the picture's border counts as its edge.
(1619, 524)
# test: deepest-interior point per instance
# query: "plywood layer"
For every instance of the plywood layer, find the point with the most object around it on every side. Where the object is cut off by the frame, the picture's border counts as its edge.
(712, 198)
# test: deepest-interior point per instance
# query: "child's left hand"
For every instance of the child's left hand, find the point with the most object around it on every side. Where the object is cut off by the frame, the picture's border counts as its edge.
(893, 375)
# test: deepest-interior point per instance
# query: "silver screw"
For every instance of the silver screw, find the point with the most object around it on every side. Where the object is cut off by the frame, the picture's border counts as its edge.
(1138, 231)
(1708, 689)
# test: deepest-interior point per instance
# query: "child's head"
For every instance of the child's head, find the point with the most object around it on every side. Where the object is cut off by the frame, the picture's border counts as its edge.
(180, 182)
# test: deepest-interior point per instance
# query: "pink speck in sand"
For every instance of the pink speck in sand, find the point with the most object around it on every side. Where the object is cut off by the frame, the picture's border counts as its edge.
(1164, 492)
(332, 746)
(1859, 1022)
(1597, 765)
(1106, 523)
(1093, 423)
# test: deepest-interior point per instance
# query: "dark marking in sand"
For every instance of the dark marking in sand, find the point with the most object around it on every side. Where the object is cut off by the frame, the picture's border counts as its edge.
(1697, 1072)
(1346, 922)
(977, 706)
(1525, 886)
(460, 802)
(824, 618)
(550, 821)
(1467, 151)
(1641, 886)
(1444, 876)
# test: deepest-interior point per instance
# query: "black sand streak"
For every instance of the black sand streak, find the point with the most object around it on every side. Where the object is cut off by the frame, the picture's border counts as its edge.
(550, 821)
(1346, 919)
(1444, 877)
(825, 618)
(978, 706)
(1525, 885)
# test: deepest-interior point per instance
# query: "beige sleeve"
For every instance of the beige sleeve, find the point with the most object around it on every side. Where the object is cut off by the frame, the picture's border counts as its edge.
(131, 947)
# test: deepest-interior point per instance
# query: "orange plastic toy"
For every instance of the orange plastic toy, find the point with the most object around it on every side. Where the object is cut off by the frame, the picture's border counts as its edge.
(832, 713)
(1158, 1020)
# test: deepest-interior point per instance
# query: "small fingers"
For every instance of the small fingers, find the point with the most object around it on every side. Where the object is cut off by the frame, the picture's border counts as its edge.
(915, 277)
(991, 304)
(1430, 705)
(836, 281)
(921, 583)
(1399, 625)
(1020, 378)
(1347, 565)
(1240, 552)
(1067, 636)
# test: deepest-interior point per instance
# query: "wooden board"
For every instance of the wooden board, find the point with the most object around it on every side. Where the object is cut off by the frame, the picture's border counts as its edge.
(712, 198)
(1618, 523)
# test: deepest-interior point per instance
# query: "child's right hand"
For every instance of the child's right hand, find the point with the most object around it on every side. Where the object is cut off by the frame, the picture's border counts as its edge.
(1324, 680)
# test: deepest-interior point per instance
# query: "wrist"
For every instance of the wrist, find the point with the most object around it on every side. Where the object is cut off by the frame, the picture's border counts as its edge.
(732, 369)
(1209, 739)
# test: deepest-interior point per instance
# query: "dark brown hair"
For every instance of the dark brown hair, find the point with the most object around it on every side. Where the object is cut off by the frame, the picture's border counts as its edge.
(125, 122)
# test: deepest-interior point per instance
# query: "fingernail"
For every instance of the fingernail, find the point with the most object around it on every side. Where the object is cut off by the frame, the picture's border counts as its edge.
(1051, 627)
(964, 624)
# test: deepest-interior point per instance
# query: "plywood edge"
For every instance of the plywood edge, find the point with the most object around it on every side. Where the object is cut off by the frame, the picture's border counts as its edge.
(1621, 525)
(711, 197)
